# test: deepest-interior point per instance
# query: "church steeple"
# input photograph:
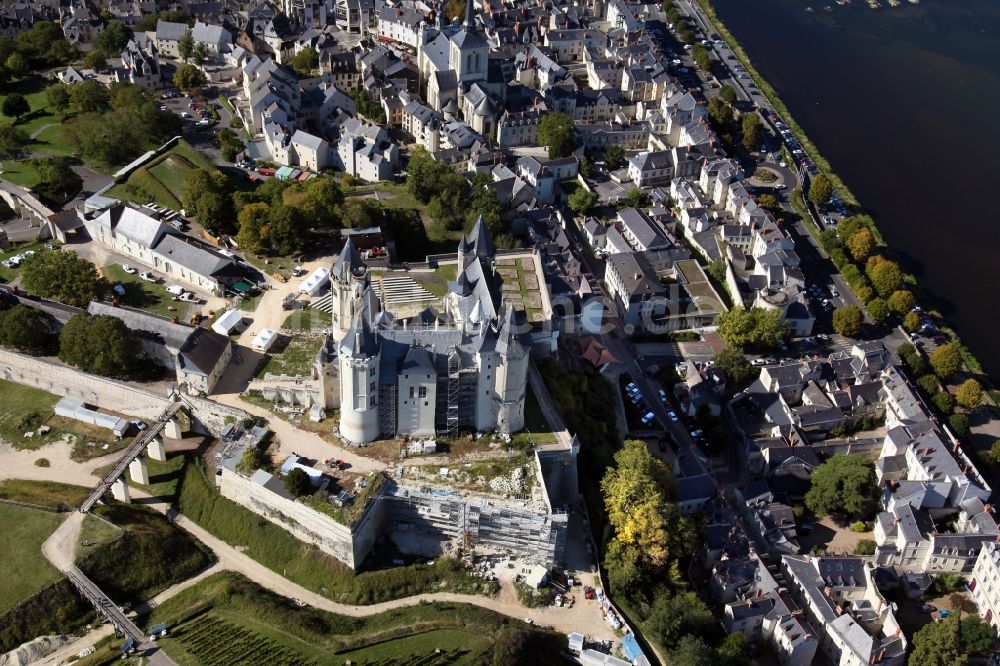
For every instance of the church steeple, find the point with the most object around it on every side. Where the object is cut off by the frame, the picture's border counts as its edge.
(470, 22)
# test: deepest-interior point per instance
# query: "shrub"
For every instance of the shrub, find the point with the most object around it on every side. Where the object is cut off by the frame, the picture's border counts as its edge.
(929, 384)
(859, 526)
(946, 583)
(865, 547)
(969, 394)
(959, 424)
(944, 401)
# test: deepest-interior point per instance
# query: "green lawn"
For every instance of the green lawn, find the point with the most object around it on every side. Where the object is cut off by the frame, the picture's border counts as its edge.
(228, 619)
(295, 350)
(25, 570)
(50, 141)
(142, 295)
(20, 172)
(45, 493)
(162, 180)
(33, 89)
(94, 534)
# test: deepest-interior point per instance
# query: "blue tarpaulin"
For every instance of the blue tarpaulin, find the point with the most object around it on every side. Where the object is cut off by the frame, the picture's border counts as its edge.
(631, 647)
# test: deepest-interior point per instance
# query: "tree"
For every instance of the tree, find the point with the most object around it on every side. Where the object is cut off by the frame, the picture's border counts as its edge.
(297, 483)
(969, 394)
(901, 302)
(113, 39)
(673, 617)
(613, 156)
(739, 372)
(556, 132)
(946, 360)
(701, 58)
(720, 112)
(101, 345)
(944, 401)
(208, 197)
(189, 77)
(878, 310)
(847, 320)
(734, 650)
(253, 220)
(485, 204)
(995, 452)
(185, 46)
(16, 66)
(305, 61)
(15, 106)
(582, 200)
(756, 327)
(843, 484)
(692, 651)
(26, 329)
(770, 202)
(727, 94)
(951, 642)
(57, 180)
(95, 60)
(57, 97)
(886, 276)
(358, 213)
(820, 190)
(287, 230)
(930, 384)
(199, 54)
(959, 424)
(13, 140)
(62, 276)
(90, 97)
(751, 131)
(635, 503)
(911, 322)
(861, 244)
(635, 198)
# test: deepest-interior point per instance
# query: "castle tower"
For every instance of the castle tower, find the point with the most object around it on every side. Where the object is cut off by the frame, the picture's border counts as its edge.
(510, 382)
(359, 356)
(349, 282)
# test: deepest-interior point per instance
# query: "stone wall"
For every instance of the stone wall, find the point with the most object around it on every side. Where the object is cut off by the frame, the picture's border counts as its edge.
(65, 381)
(214, 416)
(350, 546)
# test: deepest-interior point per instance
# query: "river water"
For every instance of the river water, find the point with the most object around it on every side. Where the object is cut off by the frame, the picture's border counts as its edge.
(905, 104)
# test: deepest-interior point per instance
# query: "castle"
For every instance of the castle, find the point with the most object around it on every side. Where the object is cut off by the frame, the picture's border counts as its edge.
(465, 368)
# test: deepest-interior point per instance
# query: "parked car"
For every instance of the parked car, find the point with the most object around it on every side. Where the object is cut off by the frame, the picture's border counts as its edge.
(927, 608)
(663, 396)
(175, 290)
(648, 418)
(673, 416)
(147, 276)
(188, 297)
(128, 269)
(138, 424)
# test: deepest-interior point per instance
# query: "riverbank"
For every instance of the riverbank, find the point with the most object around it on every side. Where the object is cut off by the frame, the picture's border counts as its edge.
(711, 16)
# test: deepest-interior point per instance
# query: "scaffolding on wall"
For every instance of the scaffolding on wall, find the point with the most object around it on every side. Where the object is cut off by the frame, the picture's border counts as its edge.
(454, 370)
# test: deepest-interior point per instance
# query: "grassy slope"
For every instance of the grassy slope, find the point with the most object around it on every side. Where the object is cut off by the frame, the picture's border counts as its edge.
(25, 570)
(144, 295)
(229, 604)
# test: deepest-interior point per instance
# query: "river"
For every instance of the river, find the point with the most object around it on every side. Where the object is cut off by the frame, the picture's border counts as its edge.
(903, 103)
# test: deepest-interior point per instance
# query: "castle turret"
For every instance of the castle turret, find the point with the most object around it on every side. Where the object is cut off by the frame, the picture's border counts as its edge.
(359, 357)
(349, 288)
(511, 375)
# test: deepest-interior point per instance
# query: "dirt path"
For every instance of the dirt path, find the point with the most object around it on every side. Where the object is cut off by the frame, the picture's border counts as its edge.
(20, 464)
(584, 617)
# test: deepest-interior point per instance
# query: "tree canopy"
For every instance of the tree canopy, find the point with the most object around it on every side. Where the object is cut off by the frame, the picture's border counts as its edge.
(582, 200)
(112, 40)
(901, 301)
(26, 329)
(847, 320)
(297, 483)
(57, 180)
(101, 345)
(739, 372)
(946, 360)
(969, 394)
(189, 77)
(750, 124)
(861, 244)
(15, 105)
(820, 189)
(844, 484)
(305, 61)
(62, 276)
(701, 58)
(13, 140)
(885, 275)
(673, 618)
(720, 112)
(756, 327)
(951, 642)
(557, 133)
(208, 197)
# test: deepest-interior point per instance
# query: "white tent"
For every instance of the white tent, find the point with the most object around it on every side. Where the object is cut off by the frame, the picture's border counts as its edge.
(313, 284)
(263, 340)
(225, 324)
